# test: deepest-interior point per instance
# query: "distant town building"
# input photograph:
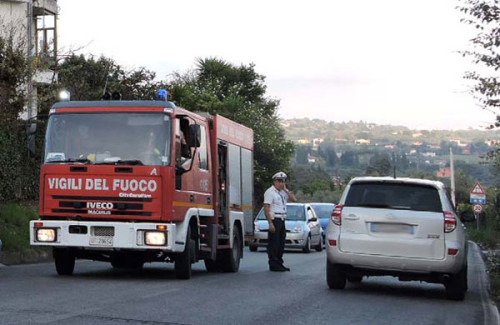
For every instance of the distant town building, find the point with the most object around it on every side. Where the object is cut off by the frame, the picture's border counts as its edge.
(444, 172)
(458, 143)
(362, 141)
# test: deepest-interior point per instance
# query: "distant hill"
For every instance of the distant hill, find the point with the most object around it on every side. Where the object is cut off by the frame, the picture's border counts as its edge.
(349, 132)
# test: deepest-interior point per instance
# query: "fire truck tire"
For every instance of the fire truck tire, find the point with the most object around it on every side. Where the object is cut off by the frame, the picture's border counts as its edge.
(183, 260)
(211, 266)
(65, 261)
(230, 259)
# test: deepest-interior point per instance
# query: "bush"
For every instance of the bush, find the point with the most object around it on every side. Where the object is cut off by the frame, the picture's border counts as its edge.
(486, 238)
(14, 226)
(19, 173)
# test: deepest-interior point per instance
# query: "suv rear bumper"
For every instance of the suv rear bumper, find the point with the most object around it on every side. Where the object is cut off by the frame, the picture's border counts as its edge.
(392, 265)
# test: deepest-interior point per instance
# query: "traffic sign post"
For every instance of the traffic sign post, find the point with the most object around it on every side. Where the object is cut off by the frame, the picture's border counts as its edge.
(477, 194)
(477, 209)
(478, 198)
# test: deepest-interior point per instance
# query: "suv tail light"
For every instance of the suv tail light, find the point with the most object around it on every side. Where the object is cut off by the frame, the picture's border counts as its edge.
(450, 222)
(337, 215)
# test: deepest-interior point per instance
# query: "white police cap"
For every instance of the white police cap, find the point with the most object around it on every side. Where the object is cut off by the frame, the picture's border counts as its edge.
(279, 175)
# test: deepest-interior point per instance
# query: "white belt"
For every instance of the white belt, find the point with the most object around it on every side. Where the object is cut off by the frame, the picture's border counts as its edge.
(278, 215)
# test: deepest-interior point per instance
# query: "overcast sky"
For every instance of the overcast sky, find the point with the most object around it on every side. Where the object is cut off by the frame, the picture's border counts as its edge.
(385, 61)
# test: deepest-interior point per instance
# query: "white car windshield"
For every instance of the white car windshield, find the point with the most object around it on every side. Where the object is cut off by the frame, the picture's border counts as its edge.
(100, 138)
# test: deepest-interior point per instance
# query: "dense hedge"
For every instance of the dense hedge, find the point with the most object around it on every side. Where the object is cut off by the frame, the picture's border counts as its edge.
(19, 171)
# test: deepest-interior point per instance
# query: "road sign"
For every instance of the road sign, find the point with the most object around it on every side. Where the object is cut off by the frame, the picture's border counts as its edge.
(477, 194)
(477, 208)
(477, 189)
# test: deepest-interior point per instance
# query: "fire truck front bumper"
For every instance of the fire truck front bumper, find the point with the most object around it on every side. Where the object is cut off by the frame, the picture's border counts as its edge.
(104, 235)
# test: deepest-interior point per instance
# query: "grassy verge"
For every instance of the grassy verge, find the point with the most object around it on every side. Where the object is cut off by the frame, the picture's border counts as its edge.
(14, 232)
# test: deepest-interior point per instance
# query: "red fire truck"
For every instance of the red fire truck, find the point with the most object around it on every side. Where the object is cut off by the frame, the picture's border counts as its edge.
(130, 182)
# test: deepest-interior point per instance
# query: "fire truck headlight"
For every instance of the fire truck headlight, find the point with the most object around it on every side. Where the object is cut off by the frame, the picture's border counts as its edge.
(46, 235)
(155, 238)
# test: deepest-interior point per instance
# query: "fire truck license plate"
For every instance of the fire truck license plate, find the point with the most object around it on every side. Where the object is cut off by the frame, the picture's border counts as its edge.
(101, 241)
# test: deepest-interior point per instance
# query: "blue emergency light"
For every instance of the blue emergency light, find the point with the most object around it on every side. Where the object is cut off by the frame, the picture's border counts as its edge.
(161, 94)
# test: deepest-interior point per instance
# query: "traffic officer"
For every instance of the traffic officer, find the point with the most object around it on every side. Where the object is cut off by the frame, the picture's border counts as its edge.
(275, 199)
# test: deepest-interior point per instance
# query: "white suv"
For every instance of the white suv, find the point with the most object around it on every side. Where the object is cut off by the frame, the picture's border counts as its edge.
(401, 227)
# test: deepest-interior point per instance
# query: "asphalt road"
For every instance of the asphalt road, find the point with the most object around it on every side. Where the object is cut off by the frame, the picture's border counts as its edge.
(99, 294)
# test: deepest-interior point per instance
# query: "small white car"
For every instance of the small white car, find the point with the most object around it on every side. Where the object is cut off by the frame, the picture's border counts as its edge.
(303, 229)
(400, 227)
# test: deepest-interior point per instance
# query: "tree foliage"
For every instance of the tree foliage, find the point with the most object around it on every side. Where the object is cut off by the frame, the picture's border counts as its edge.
(18, 174)
(14, 74)
(380, 165)
(238, 93)
(88, 79)
(484, 16)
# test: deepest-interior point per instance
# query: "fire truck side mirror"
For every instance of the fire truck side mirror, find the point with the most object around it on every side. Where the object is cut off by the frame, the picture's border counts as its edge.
(194, 136)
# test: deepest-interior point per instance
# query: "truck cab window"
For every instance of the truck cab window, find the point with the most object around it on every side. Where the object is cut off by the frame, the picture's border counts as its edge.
(202, 150)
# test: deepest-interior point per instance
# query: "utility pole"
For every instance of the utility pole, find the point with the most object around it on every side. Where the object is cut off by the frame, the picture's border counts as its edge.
(452, 170)
(30, 59)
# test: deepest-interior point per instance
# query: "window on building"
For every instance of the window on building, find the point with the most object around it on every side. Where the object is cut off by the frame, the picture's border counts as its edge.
(46, 36)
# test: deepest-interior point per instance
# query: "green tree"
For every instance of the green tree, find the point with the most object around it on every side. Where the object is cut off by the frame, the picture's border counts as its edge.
(301, 153)
(88, 79)
(18, 173)
(380, 165)
(14, 74)
(238, 93)
(484, 16)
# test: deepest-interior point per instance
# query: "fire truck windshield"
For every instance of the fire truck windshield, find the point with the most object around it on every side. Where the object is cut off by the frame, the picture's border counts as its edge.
(108, 138)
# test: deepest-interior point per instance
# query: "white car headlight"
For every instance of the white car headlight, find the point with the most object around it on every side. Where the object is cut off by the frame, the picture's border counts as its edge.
(256, 226)
(46, 235)
(155, 238)
(297, 229)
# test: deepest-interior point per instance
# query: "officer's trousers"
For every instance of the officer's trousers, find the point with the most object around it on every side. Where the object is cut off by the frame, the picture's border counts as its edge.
(276, 244)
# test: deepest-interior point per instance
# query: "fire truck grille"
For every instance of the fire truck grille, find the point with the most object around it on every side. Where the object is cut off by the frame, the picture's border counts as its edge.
(101, 205)
(103, 231)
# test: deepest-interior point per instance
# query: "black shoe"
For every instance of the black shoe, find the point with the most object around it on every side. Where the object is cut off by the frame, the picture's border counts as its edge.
(277, 269)
(285, 268)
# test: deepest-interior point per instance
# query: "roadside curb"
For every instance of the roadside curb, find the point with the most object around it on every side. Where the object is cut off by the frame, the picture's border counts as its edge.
(490, 310)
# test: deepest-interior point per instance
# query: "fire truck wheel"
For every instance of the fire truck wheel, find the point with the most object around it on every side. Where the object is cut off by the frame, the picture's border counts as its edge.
(230, 261)
(211, 266)
(184, 259)
(65, 261)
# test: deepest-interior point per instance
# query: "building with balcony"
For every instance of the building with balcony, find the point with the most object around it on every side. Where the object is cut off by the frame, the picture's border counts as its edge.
(33, 26)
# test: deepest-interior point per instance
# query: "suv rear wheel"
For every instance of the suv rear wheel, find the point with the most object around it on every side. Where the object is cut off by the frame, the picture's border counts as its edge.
(335, 276)
(456, 286)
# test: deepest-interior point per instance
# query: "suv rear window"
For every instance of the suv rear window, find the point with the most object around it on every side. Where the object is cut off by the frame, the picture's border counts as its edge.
(394, 196)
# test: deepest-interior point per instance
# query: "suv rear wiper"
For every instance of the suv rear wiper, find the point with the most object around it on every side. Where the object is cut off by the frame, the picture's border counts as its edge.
(374, 205)
(70, 160)
(121, 162)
